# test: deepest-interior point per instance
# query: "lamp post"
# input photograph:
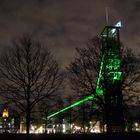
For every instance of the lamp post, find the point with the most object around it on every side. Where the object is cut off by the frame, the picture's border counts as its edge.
(5, 116)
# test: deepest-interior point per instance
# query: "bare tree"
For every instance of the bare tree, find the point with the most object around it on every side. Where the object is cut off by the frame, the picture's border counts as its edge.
(85, 67)
(29, 74)
(131, 76)
(83, 71)
(46, 107)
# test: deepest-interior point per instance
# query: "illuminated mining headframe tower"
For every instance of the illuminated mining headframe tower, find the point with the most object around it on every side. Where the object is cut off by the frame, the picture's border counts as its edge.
(109, 80)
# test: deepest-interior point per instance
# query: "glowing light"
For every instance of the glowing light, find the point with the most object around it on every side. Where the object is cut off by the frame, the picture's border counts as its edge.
(5, 113)
(118, 24)
(95, 128)
(99, 88)
(70, 106)
(64, 128)
(136, 124)
(77, 127)
(39, 130)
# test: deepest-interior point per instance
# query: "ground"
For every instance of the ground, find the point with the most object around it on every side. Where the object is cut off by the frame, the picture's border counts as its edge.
(112, 136)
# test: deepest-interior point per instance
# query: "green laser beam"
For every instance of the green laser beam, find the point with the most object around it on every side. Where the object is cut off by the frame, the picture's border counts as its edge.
(70, 106)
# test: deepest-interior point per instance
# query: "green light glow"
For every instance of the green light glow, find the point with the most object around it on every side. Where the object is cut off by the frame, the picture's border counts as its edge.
(110, 65)
(113, 66)
(99, 89)
(110, 60)
(70, 106)
(115, 75)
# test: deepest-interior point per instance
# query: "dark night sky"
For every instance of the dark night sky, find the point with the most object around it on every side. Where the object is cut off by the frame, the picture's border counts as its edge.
(66, 24)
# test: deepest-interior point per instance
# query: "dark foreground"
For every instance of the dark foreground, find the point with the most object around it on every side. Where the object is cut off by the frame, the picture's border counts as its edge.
(112, 136)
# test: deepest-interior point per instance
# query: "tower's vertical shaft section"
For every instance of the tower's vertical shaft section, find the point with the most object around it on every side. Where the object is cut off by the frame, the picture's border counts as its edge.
(111, 78)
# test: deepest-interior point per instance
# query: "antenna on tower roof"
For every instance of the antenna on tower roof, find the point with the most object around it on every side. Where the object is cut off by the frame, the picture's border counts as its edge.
(107, 16)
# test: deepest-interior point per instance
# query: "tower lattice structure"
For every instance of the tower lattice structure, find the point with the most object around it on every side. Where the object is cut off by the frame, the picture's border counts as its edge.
(109, 83)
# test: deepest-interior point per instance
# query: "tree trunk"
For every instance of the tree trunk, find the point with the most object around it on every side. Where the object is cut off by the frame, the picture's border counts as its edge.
(83, 121)
(28, 113)
(28, 119)
(46, 123)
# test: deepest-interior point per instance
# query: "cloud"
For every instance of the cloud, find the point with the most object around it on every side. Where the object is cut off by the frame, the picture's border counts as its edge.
(66, 24)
